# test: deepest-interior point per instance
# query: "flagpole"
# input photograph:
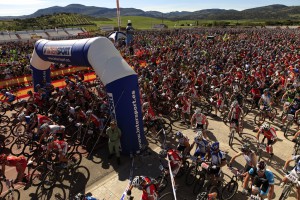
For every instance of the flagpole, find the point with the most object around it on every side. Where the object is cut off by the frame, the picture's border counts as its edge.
(118, 15)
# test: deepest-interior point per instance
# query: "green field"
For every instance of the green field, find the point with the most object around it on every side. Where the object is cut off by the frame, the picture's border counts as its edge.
(64, 20)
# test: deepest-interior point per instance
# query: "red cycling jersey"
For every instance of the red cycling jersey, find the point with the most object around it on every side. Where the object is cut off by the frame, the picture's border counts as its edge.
(269, 134)
(149, 190)
(174, 156)
(13, 161)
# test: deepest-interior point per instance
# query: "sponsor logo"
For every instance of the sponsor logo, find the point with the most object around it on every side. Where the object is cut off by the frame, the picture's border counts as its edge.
(136, 118)
(57, 50)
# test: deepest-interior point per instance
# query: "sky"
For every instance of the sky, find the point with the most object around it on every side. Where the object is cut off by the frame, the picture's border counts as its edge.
(26, 7)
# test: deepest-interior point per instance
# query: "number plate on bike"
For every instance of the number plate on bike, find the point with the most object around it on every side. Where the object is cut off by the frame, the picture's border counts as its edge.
(254, 197)
(204, 165)
(292, 178)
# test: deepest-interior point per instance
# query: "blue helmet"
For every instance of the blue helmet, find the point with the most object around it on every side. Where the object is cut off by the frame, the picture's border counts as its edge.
(215, 146)
(179, 134)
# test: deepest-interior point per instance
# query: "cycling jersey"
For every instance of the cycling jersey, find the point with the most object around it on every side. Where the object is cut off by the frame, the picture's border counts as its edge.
(248, 158)
(266, 99)
(217, 157)
(262, 182)
(43, 119)
(59, 145)
(186, 108)
(183, 140)
(149, 190)
(96, 121)
(175, 158)
(10, 96)
(236, 113)
(200, 118)
(270, 134)
(202, 146)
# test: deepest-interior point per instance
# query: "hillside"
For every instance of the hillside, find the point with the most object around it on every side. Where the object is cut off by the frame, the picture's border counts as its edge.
(271, 12)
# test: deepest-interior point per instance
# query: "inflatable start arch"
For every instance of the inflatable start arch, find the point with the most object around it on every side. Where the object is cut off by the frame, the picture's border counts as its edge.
(120, 80)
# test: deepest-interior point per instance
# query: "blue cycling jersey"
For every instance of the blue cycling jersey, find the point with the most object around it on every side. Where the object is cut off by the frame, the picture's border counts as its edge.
(268, 175)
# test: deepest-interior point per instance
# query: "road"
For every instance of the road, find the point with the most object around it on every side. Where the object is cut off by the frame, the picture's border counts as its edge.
(97, 167)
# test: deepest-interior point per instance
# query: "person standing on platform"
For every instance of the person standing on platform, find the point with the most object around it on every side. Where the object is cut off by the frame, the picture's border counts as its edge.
(114, 135)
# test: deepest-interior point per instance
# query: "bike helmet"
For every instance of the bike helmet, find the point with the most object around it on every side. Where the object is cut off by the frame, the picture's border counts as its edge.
(266, 126)
(180, 94)
(179, 134)
(261, 166)
(62, 128)
(215, 146)
(266, 90)
(246, 147)
(50, 139)
(44, 126)
(137, 181)
(197, 111)
(217, 90)
(199, 135)
(89, 112)
(145, 105)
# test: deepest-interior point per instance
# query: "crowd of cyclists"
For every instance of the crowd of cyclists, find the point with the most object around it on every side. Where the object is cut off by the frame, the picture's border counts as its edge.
(236, 72)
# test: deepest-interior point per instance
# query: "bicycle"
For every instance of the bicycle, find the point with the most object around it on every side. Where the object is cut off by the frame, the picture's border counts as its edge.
(232, 132)
(193, 171)
(293, 181)
(290, 121)
(230, 188)
(264, 112)
(261, 147)
(12, 193)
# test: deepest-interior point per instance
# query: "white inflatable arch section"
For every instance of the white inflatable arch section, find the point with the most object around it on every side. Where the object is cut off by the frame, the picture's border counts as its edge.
(120, 80)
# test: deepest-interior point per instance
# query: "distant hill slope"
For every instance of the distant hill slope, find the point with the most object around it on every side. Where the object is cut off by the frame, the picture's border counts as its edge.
(266, 12)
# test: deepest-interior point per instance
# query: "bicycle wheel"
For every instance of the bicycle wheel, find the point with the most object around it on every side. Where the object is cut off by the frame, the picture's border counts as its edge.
(231, 137)
(49, 180)
(229, 190)
(162, 183)
(12, 195)
(5, 131)
(199, 183)
(259, 118)
(167, 128)
(4, 121)
(285, 192)
(38, 175)
(18, 130)
(191, 174)
(17, 147)
(29, 149)
(288, 130)
(75, 158)
(174, 115)
(167, 196)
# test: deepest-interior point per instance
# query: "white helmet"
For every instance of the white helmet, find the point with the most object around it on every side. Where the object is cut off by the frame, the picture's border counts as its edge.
(266, 126)
(199, 135)
(137, 181)
(197, 111)
(146, 105)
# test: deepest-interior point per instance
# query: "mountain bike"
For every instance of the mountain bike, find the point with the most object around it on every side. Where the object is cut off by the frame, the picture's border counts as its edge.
(293, 181)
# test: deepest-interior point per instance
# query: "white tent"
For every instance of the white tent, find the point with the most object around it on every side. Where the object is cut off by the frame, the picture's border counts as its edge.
(117, 35)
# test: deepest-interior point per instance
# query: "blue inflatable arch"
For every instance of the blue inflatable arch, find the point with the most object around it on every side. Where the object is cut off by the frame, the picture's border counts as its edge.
(120, 80)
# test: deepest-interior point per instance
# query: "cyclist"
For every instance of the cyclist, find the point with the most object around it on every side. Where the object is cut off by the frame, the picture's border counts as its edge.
(61, 146)
(201, 121)
(290, 95)
(19, 162)
(202, 146)
(219, 97)
(249, 156)
(184, 145)
(266, 101)
(293, 108)
(186, 106)
(263, 180)
(296, 173)
(7, 95)
(145, 184)
(235, 116)
(94, 120)
(268, 133)
(175, 158)
(218, 159)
